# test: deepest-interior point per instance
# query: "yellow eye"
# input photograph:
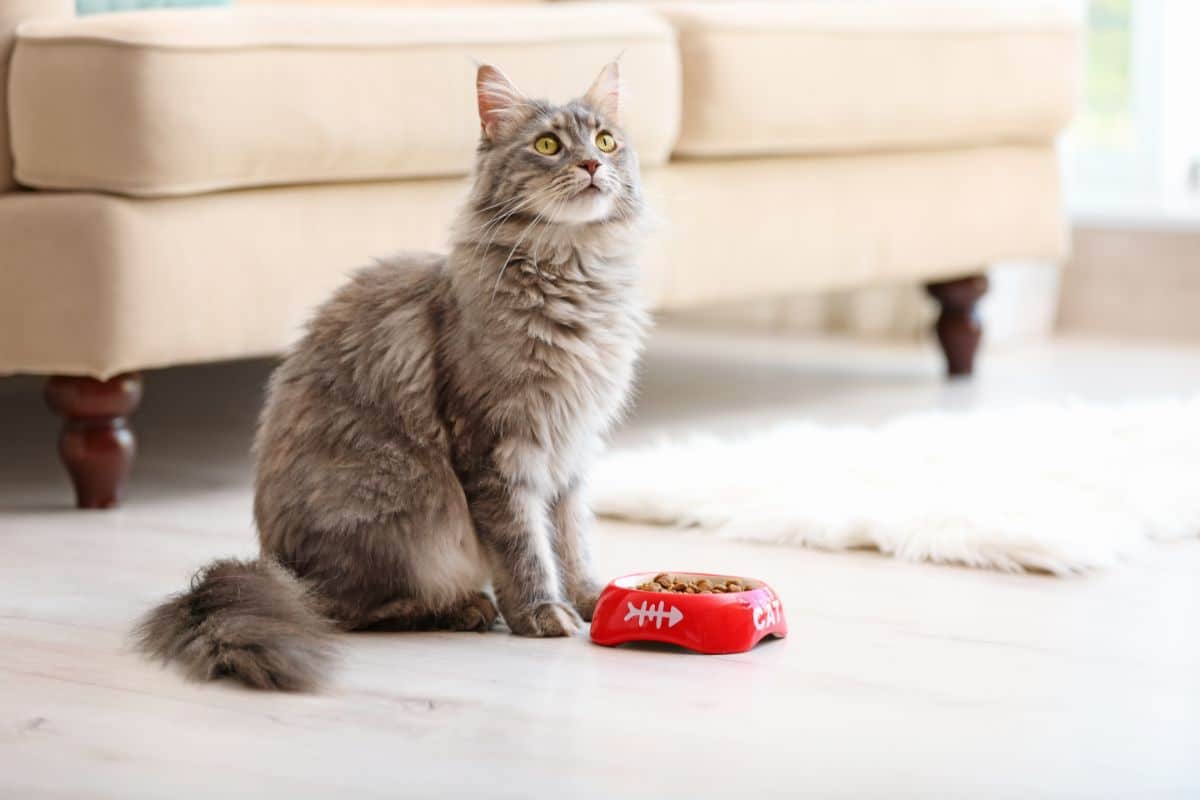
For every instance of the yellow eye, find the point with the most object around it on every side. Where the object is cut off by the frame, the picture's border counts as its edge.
(546, 145)
(606, 142)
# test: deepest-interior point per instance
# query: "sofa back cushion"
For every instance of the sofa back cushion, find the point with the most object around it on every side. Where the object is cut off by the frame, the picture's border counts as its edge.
(158, 104)
(12, 14)
(813, 77)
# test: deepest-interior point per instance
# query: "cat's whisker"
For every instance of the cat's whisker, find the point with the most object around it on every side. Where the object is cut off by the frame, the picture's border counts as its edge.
(547, 220)
(545, 195)
(505, 206)
(493, 227)
(538, 241)
(497, 204)
(510, 207)
(497, 226)
(508, 258)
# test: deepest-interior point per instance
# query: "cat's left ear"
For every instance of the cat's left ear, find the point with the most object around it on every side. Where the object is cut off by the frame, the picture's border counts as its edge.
(605, 94)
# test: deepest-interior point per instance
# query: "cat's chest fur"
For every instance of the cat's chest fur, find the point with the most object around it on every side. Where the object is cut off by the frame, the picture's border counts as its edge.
(558, 346)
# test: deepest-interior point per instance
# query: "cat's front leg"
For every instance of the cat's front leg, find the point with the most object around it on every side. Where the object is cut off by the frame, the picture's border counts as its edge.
(573, 522)
(514, 527)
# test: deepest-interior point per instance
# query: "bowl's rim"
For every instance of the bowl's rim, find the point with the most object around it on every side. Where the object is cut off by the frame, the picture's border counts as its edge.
(631, 582)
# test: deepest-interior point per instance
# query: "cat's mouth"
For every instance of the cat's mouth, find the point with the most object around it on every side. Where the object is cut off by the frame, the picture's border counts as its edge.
(588, 204)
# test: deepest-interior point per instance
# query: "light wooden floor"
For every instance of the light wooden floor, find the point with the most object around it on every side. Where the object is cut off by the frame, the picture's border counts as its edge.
(898, 680)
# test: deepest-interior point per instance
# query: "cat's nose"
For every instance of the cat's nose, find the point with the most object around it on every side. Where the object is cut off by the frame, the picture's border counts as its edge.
(591, 165)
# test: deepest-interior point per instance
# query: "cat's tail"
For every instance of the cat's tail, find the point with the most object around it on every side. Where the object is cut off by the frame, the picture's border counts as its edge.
(250, 620)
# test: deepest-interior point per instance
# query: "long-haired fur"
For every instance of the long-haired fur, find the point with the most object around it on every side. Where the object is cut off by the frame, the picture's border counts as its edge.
(252, 619)
(423, 451)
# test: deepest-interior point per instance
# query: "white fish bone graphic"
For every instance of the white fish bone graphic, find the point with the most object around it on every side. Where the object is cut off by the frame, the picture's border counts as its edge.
(649, 611)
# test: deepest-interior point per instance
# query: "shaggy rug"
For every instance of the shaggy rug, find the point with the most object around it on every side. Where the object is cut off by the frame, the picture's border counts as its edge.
(1057, 489)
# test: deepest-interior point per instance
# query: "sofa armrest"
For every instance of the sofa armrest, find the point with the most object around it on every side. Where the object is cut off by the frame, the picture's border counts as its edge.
(12, 14)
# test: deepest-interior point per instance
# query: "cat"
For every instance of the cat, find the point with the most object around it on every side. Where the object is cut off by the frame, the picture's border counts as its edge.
(428, 438)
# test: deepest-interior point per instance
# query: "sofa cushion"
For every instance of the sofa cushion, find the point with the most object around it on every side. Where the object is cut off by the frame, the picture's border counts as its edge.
(815, 77)
(12, 14)
(97, 284)
(155, 104)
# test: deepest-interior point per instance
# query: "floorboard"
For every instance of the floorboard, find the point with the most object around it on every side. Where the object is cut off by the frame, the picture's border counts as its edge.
(898, 679)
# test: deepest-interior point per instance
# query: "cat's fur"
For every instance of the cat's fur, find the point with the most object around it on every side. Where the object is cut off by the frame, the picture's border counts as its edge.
(431, 433)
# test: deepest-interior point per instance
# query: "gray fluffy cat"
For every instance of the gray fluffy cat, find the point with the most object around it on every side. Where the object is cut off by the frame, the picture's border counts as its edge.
(431, 433)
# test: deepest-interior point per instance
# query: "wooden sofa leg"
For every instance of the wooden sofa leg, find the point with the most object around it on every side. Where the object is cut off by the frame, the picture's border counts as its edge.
(96, 443)
(958, 327)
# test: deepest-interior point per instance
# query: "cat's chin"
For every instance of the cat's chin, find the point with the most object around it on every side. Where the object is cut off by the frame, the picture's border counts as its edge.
(590, 205)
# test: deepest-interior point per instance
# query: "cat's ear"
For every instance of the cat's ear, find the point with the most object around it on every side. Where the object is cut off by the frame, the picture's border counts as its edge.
(605, 94)
(499, 100)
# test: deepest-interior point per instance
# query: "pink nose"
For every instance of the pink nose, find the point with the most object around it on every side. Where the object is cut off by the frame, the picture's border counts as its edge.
(590, 165)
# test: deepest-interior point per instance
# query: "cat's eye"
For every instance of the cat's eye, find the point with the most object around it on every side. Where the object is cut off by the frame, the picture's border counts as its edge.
(606, 142)
(547, 145)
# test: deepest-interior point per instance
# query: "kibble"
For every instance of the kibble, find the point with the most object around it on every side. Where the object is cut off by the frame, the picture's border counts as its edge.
(665, 582)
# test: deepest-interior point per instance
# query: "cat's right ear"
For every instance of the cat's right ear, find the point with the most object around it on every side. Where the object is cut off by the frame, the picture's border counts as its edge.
(499, 100)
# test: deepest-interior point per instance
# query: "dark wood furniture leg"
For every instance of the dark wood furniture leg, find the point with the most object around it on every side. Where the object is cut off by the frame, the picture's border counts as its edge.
(958, 327)
(96, 443)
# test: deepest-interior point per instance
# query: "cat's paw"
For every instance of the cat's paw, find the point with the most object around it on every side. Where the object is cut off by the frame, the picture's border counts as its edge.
(476, 614)
(584, 599)
(545, 619)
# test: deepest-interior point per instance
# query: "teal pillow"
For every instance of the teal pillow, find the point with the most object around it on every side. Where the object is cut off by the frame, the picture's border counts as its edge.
(100, 6)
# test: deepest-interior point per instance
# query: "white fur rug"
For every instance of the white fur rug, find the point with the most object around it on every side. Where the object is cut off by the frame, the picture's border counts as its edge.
(1060, 489)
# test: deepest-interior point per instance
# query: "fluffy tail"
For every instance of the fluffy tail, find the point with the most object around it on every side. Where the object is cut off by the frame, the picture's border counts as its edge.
(250, 620)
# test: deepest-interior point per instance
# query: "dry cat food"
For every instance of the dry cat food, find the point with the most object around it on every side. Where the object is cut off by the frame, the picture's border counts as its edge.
(665, 582)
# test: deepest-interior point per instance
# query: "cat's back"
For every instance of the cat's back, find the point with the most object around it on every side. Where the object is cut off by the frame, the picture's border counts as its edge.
(376, 333)
(360, 382)
(381, 311)
(400, 283)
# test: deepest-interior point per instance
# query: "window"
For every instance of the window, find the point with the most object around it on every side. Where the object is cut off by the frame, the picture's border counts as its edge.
(1135, 148)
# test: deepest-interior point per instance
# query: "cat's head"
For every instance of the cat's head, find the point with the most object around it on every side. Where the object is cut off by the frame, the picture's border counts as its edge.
(567, 164)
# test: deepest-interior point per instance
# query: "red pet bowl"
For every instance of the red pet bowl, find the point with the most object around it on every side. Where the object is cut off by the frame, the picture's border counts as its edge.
(707, 623)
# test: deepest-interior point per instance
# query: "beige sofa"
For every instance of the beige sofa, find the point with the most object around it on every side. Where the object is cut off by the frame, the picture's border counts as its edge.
(185, 185)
